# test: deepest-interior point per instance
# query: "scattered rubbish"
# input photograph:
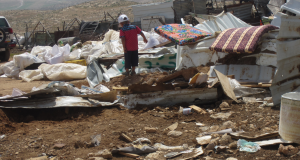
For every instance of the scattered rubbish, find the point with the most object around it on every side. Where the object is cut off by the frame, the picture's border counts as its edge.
(187, 111)
(141, 141)
(247, 146)
(255, 138)
(220, 149)
(200, 124)
(203, 140)
(249, 99)
(198, 109)
(224, 106)
(133, 150)
(2, 136)
(174, 133)
(162, 147)
(172, 154)
(225, 85)
(104, 154)
(59, 146)
(273, 142)
(222, 116)
(129, 155)
(96, 140)
(197, 152)
(171, 127)
(126, 137)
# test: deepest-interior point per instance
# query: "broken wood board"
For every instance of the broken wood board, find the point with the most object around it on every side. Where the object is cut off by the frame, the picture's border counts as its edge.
(171, 127)
(259, 85)
(197, 152)
(103, 97)
(120, 88)
(172, 97)
(198, 109)
(186, 73)
(225, 85)
(256, 138)
(129, 155)
(145, 88)
(273, 142)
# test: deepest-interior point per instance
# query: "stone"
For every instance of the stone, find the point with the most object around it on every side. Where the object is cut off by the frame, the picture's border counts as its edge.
(215, 141)
(260, 158)
(229, 124)
(153, 156)
(39, 158)
(203, 129)
(233, 145)
(174, 133)
(231, 158)
(78, 159)
(131, 129)
(224, 106)
(215, 135)
(214, 128)
(150, 130)
(54, 158)
(209, 158)
(222, 116)
(220, 149)
(171, 127)
(203, 140)
(226, 139)
(252, 127)
(287, 150)
(200, 124)
(79, 144)
(96, 158)
(59, 146)
(104, 153)
(211, 146)
(268, 99)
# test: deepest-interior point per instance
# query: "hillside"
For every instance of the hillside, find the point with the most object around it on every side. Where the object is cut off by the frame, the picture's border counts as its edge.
(87, 11)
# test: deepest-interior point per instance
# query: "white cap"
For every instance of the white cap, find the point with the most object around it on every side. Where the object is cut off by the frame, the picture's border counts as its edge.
(123, 18)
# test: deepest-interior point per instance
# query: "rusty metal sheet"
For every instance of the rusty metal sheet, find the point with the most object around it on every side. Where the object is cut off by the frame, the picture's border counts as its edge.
(191, 96)
(290, 27)
(54, 102)
(39, 92)
(278, 90)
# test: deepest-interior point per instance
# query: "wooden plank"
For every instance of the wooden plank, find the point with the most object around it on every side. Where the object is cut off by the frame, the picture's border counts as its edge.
(255, 138)
(129, 155)
(257, 85)
(198, 109)
(120, 88)
(273, 142)
(225, 85)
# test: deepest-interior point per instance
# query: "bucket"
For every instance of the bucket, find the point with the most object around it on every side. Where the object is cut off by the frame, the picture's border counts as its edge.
(289, 123)
(187, 111)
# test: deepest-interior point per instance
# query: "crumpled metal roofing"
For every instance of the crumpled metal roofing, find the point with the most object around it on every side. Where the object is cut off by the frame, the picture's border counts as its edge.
(221, 22)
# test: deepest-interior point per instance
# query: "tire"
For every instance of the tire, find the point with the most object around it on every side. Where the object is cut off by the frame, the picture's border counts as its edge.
(4, 56)
(2, 36)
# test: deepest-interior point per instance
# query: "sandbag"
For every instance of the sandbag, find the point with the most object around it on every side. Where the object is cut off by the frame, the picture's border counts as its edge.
(24, 60)
(41, 51)
(10, 70)
(31, 75)
(57, 54)
(63, 71)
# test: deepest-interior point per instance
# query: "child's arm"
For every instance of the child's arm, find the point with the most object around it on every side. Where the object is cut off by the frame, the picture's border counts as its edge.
(123, 43)
(145, 39)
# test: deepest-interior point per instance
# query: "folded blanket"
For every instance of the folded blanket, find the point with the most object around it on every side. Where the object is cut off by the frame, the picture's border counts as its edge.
(240, 40)
(181, 34)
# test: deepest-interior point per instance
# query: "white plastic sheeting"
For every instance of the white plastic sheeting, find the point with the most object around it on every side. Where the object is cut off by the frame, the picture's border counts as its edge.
(63, 71)
(24, 60)
(221, 22)
(10, 70)
(154, 9)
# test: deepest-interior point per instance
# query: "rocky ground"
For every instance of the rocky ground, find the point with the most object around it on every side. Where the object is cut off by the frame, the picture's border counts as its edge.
(66, 134)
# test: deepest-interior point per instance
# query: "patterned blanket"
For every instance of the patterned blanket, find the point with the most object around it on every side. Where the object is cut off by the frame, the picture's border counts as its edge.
(181, 34)
(240, 40)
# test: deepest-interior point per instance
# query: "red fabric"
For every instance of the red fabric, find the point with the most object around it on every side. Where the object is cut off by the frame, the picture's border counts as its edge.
(130, 32)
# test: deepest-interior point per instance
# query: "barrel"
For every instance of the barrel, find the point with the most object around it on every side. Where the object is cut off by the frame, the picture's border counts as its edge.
(289, 123)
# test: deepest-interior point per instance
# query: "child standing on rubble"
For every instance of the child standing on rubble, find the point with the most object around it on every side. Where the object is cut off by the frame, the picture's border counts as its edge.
(129, 35)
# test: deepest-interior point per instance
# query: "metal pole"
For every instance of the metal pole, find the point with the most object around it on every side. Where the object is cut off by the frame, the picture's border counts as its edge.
(194, 7)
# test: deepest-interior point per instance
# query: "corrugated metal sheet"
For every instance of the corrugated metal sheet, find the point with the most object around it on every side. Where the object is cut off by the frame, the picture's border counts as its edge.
(287, 78)
(171, 97)
(292, 6)
(246, 73)
(222, 22)
(241, 11)
(289, 27)
(154, 9)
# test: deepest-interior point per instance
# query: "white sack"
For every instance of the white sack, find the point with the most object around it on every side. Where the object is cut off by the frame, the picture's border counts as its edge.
(24, 60)
(31, 75)
(151, 43)
(114, 47)
(10, 70)
(41, 51)
(57, 54)
(63, 71)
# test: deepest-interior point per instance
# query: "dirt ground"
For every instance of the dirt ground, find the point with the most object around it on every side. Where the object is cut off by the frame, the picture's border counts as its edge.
(33, 132)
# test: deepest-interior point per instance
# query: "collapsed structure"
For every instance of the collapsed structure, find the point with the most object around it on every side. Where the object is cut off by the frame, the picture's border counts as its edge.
(222, 57)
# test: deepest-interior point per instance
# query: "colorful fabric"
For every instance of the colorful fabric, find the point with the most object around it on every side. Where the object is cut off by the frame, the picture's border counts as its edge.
(130, 32)
(181, 34)
(240, 40)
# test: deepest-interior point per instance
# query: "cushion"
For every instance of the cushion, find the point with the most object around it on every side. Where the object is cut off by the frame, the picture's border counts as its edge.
(240, 40)
(181, 34)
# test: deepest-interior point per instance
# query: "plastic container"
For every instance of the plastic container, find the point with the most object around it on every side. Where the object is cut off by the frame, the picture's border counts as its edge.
(289, 123)
(187, 111)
